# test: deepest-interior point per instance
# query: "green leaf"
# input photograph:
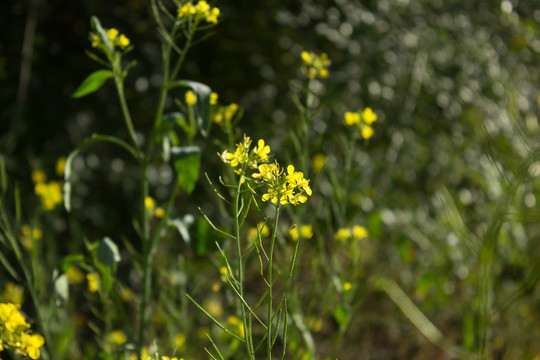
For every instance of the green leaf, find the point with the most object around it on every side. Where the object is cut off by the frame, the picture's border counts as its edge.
(406, 251)
(203, 102)
(92, 83)
(107, 252)
(342, 316)
(69, 260)
(203, 238)
(187, 163)
(61, 288)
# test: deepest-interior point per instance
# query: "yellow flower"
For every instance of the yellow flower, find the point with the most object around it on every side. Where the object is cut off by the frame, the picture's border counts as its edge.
(117, 337)
(213, 98)
(314, 64)
(191, 98)
(159, 213)
(352, 118)
(347, 286)
(317, 162)
(179, 341)
(369, 116)
(60, 166)
(202, 6)
(31, 344)
(14, 319)
(38, 177)
(213, 307)
(305, 230)
(366, 131)
(75, 275)
(213, 15)
(13, 293)
(223, 270)
(112, 34)
(94, 282)
(237, 324)
(343, 234)
(50, 194)
(186, 10)
(359, 232)
(261, 151)
(123, 41)
(363, 121)
(149, 204)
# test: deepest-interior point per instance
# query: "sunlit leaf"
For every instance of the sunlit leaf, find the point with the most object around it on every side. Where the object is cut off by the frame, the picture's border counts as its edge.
(92, 83)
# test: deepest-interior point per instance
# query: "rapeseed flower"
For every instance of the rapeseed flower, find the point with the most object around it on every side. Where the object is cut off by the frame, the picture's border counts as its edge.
(191, 98)
(116, 39)
(343, 234)
(94, 282)
(38, 177)
(214, 98)
(60, 166)
(363, 120)
(50, 194)
(201, 11)
(13, 293)
(318, 161)
(29, 236)
(315, 65)
(291, 188)
(305, 230)
(14, 332)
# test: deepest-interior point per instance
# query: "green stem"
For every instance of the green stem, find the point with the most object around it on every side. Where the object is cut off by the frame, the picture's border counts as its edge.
(119, 81)
(270, 282)
(240, 270)
(149, 244)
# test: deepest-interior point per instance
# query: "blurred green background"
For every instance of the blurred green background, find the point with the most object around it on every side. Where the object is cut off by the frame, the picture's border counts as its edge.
(455, 85)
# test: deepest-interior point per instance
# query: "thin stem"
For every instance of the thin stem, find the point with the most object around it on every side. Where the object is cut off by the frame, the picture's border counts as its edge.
(240, 269)
(119, 81)
(271, 282)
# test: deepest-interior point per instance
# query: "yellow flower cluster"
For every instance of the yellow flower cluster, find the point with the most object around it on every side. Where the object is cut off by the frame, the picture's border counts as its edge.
(13, 293)
(305, 230)
(14, 332)
(29, 236)
(191, 98)
(315, 65)
(50, 192)
(357, 232)
(224, 114)
(200, 11)
(150, 205)
(243, 156)
(116, 39)
(363, 120)
(291, 188)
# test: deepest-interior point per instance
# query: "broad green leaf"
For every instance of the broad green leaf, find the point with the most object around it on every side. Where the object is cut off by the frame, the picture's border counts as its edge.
(187, 169)
(107, 252)
(92, 83)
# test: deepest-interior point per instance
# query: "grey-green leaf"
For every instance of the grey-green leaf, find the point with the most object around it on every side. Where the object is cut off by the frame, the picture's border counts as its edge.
(107, 252)
(92, 83)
